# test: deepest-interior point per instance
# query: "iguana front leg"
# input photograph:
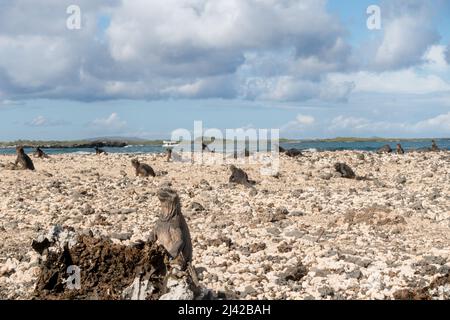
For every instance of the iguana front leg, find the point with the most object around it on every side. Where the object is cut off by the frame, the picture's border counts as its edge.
(153, 236)
(175, 248)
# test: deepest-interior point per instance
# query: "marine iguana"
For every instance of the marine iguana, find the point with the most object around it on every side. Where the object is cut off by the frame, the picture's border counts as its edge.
(239, 176)
(23, 159)
(172, 231)
(142, 169)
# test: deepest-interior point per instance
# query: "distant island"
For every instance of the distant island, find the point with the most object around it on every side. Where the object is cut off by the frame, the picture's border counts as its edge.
(80, 144)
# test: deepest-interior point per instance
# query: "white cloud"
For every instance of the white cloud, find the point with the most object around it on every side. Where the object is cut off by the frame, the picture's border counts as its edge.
(33, 61)
(305, 119)
(210, 87)
(11, 103)
(41, 121)
(403, 81)
(440, 122)
(216, 48)
(405, 41)
(408, 32)
(283, 88)
(173, 48)
(357, 125)
(301, 122)
(252, 49)
(341, 122)
(178, 30)
(447, 54)
(435, 58)
(40, 57)
(336, 91)
(112, 122)
(289, 88)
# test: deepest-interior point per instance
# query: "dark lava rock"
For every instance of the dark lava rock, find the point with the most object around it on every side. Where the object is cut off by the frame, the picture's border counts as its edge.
(356, 274)
(162, 173)
(40, 246)
(197, 207)
(357, 260)
(284, 247)
(405, 294)
(295, 233)
(426, 292)
(385, 149)
(417, 206)
(280, 214)
(87, 209)
(293, 152)
(321, 272)
(400, 180)
(435, 260)
(295, 273)
(121, 236)
(326, 176)
(325, 291)
(273, 230)
(282, 211)
(444, 269)
(107, 270)
(296, 213)
(219, 241)
(256, 247)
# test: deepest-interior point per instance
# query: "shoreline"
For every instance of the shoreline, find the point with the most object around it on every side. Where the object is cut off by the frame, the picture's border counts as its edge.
(120, 143)
(419, 145)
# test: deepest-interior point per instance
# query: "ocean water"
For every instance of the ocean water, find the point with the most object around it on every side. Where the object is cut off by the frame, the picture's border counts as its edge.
(367, 146)
(303, 145)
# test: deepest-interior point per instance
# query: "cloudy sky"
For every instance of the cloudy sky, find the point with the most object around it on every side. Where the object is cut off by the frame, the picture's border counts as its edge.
(143, 68)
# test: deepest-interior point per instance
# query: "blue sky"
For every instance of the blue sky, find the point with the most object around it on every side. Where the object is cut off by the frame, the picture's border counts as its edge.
(140, 68)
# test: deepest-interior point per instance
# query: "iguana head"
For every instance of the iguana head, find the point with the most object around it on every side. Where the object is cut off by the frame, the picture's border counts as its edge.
(170, 203)
(135, 163)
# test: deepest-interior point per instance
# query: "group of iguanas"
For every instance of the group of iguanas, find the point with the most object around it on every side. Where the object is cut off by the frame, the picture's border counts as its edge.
(171, 229)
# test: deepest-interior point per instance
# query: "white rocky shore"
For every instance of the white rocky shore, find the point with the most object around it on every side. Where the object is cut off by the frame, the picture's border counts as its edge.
(305, 234)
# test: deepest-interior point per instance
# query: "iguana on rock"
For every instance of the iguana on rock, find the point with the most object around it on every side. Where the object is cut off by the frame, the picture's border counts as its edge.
(239, 176)
(172, 231)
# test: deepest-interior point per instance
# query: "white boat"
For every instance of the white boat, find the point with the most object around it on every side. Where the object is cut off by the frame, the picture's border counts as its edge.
(170, 144)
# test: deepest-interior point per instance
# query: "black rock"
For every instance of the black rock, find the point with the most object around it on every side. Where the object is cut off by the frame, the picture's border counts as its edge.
(400, 180)
(357, 274)
(195, 206)
(293, 152)
(385, 149)
(40, 246)
(121, 236)
(295, 273)
(326, 291)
